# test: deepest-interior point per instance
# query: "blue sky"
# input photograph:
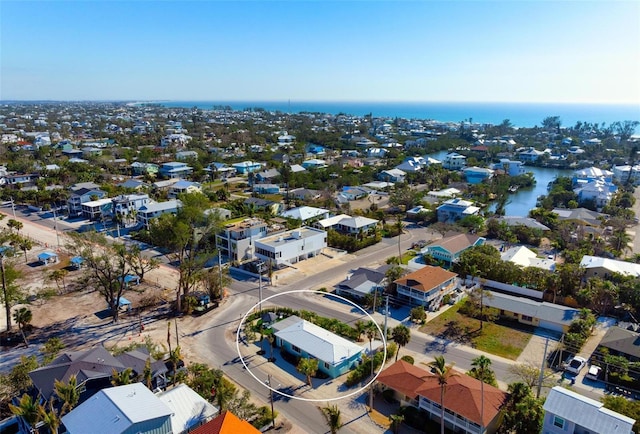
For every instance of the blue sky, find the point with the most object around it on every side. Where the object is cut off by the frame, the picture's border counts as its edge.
(503, 51)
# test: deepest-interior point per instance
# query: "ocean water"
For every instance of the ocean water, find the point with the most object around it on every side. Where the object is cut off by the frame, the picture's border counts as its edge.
(520, 114)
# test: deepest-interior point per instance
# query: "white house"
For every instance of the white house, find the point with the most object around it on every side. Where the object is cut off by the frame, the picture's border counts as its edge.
(600, 192)
(392, 175)
(306, 213)
(590, 174)
(126, 203)
(188, 409)
(568, 412)
(511, 168)
(627, 173)
(456, 209)
(183, 187)
(292, 246)
(346, 224)
(605, 267)
(524, 257)
(96, 209)
(530, 155)
(156, 209)
(237, 240)
(454, 161)
(412, 164)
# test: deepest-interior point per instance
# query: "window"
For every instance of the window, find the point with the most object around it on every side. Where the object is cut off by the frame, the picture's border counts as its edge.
(527, 318)
(558, 421)
(294, 348)
(326, 365)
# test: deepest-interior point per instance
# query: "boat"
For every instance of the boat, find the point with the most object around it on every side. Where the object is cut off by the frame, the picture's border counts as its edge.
(513, 189)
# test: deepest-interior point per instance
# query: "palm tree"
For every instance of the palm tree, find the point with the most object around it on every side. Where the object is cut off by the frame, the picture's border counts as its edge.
(308, 367)
(331, 414)
(371, 331)
(360, 327)
(443, 372)
(50, 418)
(147, 374)
(121, 378)
(401, 335)
(619, 240)
(58, 276)
(24, 244)
(22, 317)
(27, 409)
(396, 421)
(481, 365)
(15, 224)
(69, 393)
(224, 393)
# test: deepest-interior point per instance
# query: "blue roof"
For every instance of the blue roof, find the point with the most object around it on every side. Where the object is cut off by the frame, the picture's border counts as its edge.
(131, 278)
(123, 301)
(77, 260)
(47, 255)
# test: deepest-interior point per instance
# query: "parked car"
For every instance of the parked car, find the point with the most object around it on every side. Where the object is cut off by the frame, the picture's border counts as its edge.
(594, 373)
(575, 365)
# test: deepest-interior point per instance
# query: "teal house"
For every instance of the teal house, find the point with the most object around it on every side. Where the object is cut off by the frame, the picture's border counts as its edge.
(336, 355)
(449, 248)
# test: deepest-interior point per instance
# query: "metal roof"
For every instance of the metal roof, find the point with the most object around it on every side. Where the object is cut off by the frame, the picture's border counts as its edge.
(188, 409)
(542, 310)
(586, 412)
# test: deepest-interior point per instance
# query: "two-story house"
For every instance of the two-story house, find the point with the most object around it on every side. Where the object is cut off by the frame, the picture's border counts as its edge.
(155, 209)
(427, 286)
(456, 209)
(449, 248)
(454, 161)
(346, 224)
(82, 195)
(289, 247)
(175, 169)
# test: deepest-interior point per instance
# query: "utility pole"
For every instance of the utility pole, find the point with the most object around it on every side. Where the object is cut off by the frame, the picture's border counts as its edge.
(273, 415)
(55, 226)
(544, 362)
(220, 273)
(386, 315)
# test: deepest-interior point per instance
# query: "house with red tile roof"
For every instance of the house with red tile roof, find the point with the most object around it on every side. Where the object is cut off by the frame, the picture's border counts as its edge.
(464, 411)
(226, 423)
(427, 286)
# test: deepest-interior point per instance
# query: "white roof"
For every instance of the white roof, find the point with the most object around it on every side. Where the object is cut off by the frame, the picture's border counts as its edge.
(615, 266)
(586, 412)
(318, 342)
(304, 212)
(526, 258)
(188, 409)
(594, 172)
(346, 220)
(115, 410)
(98, 202)
(295, 168)
(160, 206)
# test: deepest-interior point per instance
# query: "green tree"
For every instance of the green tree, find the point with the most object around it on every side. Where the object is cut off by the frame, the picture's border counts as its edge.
(627, 407)
(27, 409)
(49, 417)
(482, 371)
(443, 373)
(59, 276)
(333, 418)
(396, 420)
(523, 413)
(308, 367)
(23, 317)
(50, 349)
(121, 378)
(68, 393)
(418, 314)
(401, 335)
(10, 291)
(14, 224)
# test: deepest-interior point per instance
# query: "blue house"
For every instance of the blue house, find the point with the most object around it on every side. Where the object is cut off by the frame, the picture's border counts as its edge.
(247, 167)
(175, 169)
(336, 355)
(266, 188)
(449, 249)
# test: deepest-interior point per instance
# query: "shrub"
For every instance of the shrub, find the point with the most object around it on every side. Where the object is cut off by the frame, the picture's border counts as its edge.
(408, 359)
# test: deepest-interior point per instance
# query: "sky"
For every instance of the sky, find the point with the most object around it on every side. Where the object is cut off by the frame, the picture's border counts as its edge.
(569, 51)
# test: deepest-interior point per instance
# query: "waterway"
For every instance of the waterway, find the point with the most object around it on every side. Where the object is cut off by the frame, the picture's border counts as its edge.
(520, 203)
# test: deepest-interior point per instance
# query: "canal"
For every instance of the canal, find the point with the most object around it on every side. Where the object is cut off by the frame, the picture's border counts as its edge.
(521, 202)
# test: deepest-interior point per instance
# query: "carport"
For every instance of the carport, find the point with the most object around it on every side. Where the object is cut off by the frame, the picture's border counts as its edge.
(48, 257)
(77, 261)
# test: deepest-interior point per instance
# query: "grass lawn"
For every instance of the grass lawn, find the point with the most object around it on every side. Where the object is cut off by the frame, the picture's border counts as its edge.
(498, 339)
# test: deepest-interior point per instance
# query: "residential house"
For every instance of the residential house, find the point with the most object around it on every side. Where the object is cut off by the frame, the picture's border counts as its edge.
(522, 256)
(292, 246)
(175, 169)
(286, 139)
(138, 168)
(306, 214)
(314, 164)
(446, 193)
(296, 168)
(304, 194)
(392, 175)
(470, 407)
(155, 209)
(336, 355)
(267, 176)
(266, 188)
(186, 155)
(271, 206)
(590, 174)
(624, 174)
(246, 167)
(450, 247)
(454, 161)
(352, 193)
(92, 368)
(126, 204)
(513, 221)
(417, 212)
(456, 209)
(361, 282)
(184, 187)
(91, 151)
(97, 209)
(475, 174)
(237, 240)
(221, 170)
(175, 139)
(226, 423)
(549, 316)
(592, 142)
(568, 412)
(622, 342)
(530, 155)
(137, 360)
(346, 224)
(599, 192)
(412, 164)
(583, 216)
(188, 409)
(80, 196)
(124, 409)
(133, 184)
(427, 286)
(315, 150)
(596, 266)
(20, 180)
(511, 168)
